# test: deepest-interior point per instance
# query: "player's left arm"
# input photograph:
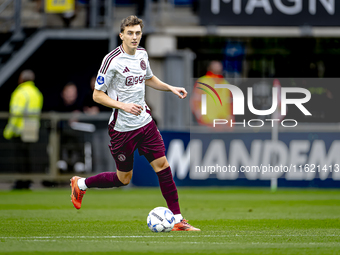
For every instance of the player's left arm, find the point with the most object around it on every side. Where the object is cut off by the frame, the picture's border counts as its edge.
(156, 83)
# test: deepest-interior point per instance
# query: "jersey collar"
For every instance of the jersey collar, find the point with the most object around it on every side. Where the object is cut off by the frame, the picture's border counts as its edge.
(126, 54)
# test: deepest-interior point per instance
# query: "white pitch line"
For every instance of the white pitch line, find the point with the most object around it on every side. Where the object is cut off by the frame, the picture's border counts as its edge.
(39, 240)
(118, 241)
(157, 236)
(214, 243)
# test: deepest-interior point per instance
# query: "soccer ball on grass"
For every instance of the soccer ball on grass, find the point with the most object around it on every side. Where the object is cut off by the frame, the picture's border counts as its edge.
(161, 219)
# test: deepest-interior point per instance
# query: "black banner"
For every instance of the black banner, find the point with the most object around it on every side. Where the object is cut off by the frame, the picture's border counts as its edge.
(269, 12)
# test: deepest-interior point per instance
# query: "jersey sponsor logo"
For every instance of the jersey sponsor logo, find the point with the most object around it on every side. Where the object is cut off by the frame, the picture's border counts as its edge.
(143, 64)
(133, 80)
(126, 70)
(121, 157)
(100, 80)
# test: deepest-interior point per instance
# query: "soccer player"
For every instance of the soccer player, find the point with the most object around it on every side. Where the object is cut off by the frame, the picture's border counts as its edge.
(123, 75)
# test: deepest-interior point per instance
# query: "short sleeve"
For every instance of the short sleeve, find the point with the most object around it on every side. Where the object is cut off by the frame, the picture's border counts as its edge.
(104, 76)
(149, 73)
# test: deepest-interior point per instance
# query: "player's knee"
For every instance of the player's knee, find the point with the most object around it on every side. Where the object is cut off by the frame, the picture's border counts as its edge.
(160, 164)
(125, 181)
(124, 178)
(163, 164)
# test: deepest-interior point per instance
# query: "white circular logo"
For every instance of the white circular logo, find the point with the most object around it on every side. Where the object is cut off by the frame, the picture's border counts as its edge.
(121, 157)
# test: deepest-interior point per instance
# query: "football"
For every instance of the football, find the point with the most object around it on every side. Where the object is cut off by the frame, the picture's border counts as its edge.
(160, 219)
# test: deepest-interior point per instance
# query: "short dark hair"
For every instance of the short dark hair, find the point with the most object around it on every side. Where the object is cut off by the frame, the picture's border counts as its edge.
(130, 21)
(27, 75)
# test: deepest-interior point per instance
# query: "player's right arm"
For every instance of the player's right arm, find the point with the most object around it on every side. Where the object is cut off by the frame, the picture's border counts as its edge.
(102, 98)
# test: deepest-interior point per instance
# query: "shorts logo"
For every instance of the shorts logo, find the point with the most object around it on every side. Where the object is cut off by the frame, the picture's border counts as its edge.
(143, 65)
(121, 157)
(100, 80)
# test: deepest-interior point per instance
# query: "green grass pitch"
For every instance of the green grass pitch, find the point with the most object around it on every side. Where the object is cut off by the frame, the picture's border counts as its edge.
(233, 221)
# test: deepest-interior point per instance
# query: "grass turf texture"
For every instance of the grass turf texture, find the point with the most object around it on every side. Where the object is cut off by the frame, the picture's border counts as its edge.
(233, 221)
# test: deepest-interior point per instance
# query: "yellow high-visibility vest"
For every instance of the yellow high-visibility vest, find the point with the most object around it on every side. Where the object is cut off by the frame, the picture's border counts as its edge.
(59, 6)
(25, 107)
(214, 108)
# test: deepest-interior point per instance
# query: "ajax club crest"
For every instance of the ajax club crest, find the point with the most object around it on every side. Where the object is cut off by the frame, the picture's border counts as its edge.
(143, 64)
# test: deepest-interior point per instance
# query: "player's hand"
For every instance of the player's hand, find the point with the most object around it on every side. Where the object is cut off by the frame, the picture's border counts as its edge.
(180, 92)
(132, 108)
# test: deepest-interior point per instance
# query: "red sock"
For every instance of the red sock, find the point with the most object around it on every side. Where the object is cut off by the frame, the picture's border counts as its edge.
(103, 180)
(169, 190)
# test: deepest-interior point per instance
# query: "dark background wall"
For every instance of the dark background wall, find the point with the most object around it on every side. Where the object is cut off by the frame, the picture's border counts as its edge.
(57, 62)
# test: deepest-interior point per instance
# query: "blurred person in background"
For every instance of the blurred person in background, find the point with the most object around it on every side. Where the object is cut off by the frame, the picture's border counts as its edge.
(261, 83)
(71, 149)
(24, 124)
(69, 101)
(206, 85)
(89, 106)
(101, 156)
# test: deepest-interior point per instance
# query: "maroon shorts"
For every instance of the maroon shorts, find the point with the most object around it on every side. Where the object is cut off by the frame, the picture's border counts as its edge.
(146, 139)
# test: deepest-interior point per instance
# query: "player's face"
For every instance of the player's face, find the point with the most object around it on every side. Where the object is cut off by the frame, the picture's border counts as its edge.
(131, 37)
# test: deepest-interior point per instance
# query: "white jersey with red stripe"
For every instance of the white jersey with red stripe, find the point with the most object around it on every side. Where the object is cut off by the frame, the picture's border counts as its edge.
(123, 77)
